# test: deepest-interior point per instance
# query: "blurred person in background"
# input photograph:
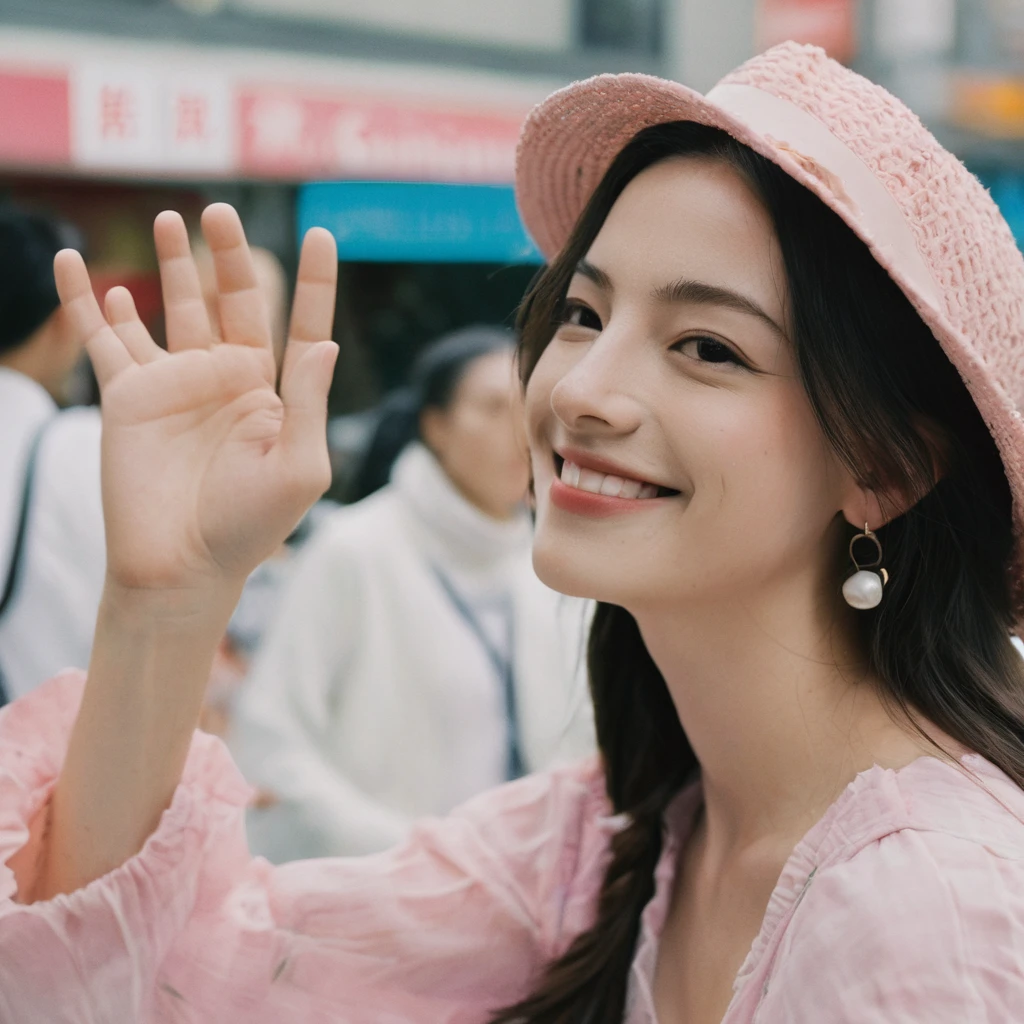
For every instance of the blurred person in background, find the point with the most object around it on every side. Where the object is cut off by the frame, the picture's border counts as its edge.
(52, 551)
(416, 659)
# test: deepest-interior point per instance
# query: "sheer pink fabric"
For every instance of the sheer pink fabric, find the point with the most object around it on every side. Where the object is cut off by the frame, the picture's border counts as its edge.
(905, 903)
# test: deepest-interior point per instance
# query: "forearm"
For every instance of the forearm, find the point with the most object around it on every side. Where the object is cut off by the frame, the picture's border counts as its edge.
(150, 664)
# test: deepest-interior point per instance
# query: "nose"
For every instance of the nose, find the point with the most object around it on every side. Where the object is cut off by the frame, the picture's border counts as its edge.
(595, 393)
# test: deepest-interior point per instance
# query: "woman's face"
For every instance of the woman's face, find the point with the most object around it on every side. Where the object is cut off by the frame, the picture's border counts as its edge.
(671, 388)
(478, 438)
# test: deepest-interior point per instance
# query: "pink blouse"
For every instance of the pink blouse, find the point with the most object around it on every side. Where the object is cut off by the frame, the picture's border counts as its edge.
(905, 903)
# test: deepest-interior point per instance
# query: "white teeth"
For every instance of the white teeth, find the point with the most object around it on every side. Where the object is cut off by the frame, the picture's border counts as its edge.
(612, 485)
(605, 483)
(570, 474)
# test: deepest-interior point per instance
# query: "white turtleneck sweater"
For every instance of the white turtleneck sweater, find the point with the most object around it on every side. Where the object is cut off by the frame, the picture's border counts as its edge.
(372, 703)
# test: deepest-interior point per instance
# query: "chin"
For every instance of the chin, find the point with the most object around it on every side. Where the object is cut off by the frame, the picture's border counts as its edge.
(563, 566)
(557, 573)
(571, 561)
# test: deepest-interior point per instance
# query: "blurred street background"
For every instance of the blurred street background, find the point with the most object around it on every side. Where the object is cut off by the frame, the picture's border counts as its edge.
(114, 109)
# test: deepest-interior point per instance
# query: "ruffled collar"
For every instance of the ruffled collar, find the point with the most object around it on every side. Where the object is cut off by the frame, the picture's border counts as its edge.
(858, 816)
(456, 530)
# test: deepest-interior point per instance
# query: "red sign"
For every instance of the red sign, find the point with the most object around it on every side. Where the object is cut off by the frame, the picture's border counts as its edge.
(118, 117)
(831, 24)
(191, 117)
(111, 116)
(286, 133)
(130, 116)
(34, 116)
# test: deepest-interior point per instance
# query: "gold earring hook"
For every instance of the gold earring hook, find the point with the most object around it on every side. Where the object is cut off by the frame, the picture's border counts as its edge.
(868, 535)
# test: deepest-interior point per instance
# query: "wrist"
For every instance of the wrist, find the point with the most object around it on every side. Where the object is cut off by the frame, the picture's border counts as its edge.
(149, 670)
(202, 609)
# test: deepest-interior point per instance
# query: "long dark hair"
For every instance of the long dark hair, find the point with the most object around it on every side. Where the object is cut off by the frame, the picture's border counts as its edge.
(433, 381)
(893, 408)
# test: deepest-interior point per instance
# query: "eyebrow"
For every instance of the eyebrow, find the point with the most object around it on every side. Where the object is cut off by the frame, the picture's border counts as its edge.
(595, 274)
(698, 293)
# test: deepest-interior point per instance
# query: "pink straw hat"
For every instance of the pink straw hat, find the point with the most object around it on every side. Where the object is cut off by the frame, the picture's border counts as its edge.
(926, 219)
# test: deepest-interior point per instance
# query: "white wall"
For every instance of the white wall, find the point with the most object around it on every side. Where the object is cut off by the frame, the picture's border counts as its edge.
(536, 24)
(707, 38)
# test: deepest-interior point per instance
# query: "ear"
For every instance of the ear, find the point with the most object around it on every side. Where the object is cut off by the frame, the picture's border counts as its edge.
(863, 506)
(879, 505)
(937, 442)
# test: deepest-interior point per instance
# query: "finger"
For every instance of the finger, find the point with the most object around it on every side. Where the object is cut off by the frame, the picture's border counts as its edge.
(305, 384)
(106, 350)
(128, 326)
(242, 304)
(187, 323)
(315, 288)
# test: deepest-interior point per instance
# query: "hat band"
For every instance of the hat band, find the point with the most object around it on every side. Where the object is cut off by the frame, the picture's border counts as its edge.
(867, 203)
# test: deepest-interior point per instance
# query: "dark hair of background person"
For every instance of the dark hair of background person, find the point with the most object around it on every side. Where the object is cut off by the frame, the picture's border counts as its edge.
(433, 381)
(939, 641)
(28, 294)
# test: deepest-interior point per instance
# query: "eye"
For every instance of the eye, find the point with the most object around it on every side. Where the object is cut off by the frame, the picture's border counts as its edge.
(708, 350)
(578, 314)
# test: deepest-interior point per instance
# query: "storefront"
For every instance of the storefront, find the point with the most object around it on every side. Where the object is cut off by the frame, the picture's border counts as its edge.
(416, 259)
(107, 132)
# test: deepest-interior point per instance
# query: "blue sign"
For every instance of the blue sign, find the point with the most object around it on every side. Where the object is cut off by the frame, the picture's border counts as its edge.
(418, 222)
(1007, 188)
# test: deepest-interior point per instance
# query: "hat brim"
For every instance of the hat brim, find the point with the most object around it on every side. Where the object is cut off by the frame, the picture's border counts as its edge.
(570, 139)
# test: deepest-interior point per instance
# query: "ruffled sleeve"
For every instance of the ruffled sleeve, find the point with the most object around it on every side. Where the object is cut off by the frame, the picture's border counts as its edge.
(451, 925)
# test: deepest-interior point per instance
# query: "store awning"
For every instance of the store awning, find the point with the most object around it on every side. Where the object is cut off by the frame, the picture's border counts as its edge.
(70, 103)
(417, 222)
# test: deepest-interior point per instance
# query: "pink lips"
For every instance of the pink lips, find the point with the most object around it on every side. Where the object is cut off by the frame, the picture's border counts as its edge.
(587, 503)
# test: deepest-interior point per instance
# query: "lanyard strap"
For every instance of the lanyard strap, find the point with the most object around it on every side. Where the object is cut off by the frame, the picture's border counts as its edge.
(18, 550)
(504, 667)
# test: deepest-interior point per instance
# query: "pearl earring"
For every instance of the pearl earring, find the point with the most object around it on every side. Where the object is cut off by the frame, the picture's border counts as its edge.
(863, 589)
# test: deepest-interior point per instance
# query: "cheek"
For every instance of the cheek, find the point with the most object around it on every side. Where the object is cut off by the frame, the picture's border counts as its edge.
(537, 396)
(550, 368)
(766, 469)
(803, 462)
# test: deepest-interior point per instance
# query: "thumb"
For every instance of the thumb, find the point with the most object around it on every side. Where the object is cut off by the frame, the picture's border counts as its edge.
(303, 440)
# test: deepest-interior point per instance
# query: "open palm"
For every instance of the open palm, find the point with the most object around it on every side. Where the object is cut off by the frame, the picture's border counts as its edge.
(207, 466)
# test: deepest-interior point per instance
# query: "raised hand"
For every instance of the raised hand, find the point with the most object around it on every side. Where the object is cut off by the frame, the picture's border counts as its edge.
(207, 466)
(206, 469)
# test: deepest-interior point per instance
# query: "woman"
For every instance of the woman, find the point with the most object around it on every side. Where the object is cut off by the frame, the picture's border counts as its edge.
(817, 803)
(416, 659)
(52, 551)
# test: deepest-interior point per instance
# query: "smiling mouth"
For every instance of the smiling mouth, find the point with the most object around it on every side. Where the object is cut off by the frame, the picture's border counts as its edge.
(608, 484)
